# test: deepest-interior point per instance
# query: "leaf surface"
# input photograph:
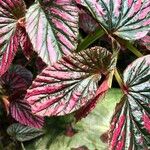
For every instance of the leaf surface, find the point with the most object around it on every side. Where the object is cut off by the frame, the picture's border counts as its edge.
(21, 111)
(145, 41)
(70, 83)
(130, 126)
(88, 130)
(10, 13)
(23, 133)
(53, 28)
(128, 19)
(25, 43)
(16, 79)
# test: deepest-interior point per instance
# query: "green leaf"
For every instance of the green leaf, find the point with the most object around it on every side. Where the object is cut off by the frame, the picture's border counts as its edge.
(89, 130)
(23, 133)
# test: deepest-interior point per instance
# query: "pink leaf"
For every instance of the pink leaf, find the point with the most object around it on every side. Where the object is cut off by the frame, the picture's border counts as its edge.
(53, 28)
(70, 83)
(10, 12)
(130, 123)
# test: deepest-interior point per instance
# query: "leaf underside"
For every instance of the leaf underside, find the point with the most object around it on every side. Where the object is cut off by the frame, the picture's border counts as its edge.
(10, 12)
(52, 27)
(128, 19)
(23, 133)
(70, 83)
(130, 126)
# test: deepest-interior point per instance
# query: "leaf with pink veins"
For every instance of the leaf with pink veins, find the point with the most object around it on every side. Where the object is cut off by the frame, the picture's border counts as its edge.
(10, 13)
(52, 27)
(70, 83)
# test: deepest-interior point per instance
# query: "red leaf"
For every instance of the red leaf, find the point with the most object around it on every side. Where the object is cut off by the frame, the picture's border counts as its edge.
(70, 83)
(25, 43)
(10, 12)
(21, 111)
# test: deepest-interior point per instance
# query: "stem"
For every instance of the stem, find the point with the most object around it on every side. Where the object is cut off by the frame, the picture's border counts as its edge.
(119, 79)
(133, 49)
(23, 148)
(90, 39)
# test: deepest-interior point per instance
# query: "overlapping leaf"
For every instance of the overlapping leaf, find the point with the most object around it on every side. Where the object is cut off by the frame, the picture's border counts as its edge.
(23, 133)
(86, 22)
(53, 28)
(130, 126)
(145, 41)
(21, 111)
(25, 43)
(70, 83)
(15, 79)
(128, 19)
(88, 130)
(15, 82)
(10, 12)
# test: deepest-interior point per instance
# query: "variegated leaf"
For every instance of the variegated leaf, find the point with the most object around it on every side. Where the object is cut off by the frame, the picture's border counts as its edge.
(10, 13)
(85, 110)
(53, 28)
(23, 133)
(130, 126)
(15, 79)
(21, 111)
(70, 83)
(128, 19)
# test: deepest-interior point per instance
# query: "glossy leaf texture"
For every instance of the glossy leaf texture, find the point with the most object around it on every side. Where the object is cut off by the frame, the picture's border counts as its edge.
(53, 28)
(10, 13)
(130, 126)
(128, 19)
(70, 83)
(23, 133)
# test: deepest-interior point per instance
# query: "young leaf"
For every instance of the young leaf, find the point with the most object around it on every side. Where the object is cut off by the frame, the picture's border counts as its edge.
(130, 126)
(10, 13)
(53, 28)
(70, 83)
(23, 133)
(128, 19)
(21, 111)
